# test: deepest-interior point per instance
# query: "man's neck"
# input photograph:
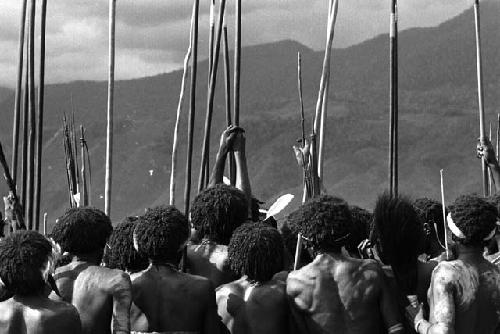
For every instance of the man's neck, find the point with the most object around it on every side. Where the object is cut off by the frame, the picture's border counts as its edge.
(470, 254)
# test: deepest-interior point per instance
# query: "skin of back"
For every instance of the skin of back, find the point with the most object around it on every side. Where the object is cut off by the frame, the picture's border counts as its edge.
(102, 296)
(165, 300)
(210, 261)
(337, 294)
(465, 299)
(248, 308)
(38, 316)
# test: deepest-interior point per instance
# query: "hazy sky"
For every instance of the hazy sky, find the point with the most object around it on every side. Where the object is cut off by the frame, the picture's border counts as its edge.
(152, 35)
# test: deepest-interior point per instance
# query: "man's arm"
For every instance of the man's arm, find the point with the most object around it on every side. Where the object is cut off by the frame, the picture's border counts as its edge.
(388, 305)
(226, 142)
(122, 299)
(487, 152)
(242, 179)
(212, 323)
(442, 307)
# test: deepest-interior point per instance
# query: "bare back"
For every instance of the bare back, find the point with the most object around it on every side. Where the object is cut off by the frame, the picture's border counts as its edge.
(211, 261)
(465, 298)
(38, 315)
(338, 294)
(102, 296)
(246, 308)
(165, 300)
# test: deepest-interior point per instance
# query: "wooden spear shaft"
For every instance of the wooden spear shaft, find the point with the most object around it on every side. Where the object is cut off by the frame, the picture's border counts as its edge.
(498, 136)
(32, 118)
(480, 94)
(192, 108)
(393, 131)
(204, 174)
(227, 76)
(18, 94)
(321, 105)
(84, 195)
(111, 92)
(24, 153)
(237, 62)
(173, 170)
(12, 189)
(211, 95)
(301, 99)
(41, 101)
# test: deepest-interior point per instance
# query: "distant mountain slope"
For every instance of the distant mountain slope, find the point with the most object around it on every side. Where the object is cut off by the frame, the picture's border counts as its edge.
(438, 106)
(5, 93)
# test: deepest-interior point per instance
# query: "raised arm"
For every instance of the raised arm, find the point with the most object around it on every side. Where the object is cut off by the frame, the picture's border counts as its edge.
(242, 179)
(226, 142)
(487, 153)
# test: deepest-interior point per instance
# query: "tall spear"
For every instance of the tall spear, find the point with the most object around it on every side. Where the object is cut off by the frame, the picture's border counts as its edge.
(32, 121)
(393, 117)
(192, 107)
(17, 99)
(491, 181)
(227, 76)
(498, 136)
(237, 62)
(24, 152)
(111, 92)
(41, 100)
(480, 93)
(321, 104)
(84, 194)
(210, 98)
(175, 145)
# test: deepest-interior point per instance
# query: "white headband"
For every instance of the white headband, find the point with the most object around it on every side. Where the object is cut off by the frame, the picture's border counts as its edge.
(459, 234)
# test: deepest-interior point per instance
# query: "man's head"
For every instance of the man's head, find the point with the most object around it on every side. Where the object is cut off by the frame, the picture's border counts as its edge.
(121, 253)
(396, 231)
(83, 232)
(430, 213)
(324, 223)
(359, 229)
(256, 250)
(218, 211)
(25, 261)
(475, 219)
(160, 234)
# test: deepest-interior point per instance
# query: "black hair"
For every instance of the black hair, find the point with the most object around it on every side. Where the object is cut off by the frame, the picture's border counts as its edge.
(359, 228)
(82, 231)
(23, 255)
(160, 233)
(475, 218)
(289, 232)
(323, 222)
(218, 211)
(256, 250)
(121, 253)
(397, 234)
(430, 213)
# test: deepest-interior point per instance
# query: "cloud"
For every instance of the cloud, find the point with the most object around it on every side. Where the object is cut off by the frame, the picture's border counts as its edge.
(152, 35)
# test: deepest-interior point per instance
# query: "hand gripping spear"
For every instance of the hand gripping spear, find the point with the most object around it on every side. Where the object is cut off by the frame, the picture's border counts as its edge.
(18, 211)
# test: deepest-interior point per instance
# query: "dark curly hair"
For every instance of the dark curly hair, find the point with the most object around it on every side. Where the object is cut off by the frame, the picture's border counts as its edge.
(398, 236)
(218, 211)
(23, 255)
(359, 228)
(475, 217)
(324, 222)
(82, 231)
(121, 253)
(160, 233)
(396, 229)
(256, 250)
(289, 233)
(430, 213)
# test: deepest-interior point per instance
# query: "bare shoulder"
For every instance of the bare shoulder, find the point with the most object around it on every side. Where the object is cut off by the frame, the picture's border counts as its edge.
(114, 279)
(66, 313)
(198, 284)
(371, 269)
(447, 272)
